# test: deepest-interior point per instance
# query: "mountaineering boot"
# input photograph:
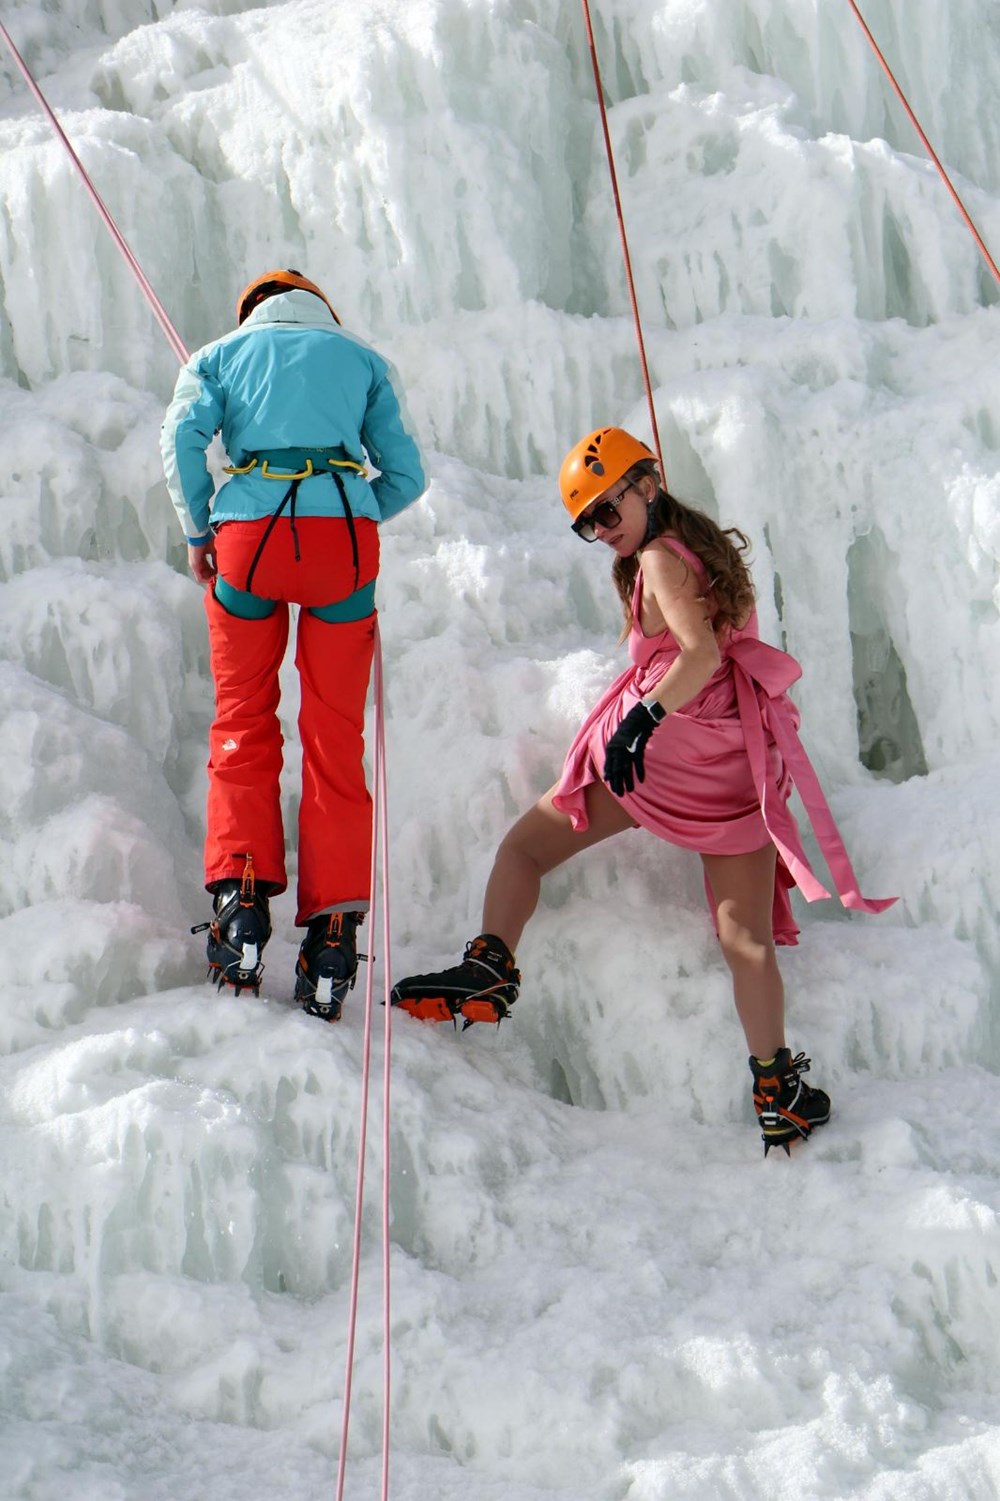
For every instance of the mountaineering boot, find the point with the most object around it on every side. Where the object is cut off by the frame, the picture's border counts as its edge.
(327, 965)
(480, 989)
(237, 933)
(786, 1108)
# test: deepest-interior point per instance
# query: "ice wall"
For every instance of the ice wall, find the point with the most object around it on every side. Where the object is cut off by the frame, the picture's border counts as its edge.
(823, 345)
(440, 117)
(821, 332)
(445, 180)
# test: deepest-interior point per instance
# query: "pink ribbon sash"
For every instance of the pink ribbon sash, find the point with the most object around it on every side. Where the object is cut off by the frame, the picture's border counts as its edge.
(763, 675)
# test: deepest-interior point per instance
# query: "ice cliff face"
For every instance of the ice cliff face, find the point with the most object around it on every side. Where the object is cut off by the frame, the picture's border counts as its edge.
(821, 327)
(441, 159)
(805, 282)
(819, 321)
(822, 337)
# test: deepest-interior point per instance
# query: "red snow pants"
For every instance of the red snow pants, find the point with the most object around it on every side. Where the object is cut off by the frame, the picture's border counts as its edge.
(334, 661)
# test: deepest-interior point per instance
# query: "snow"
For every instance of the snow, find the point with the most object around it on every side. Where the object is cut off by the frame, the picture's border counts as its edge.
(600, 1289)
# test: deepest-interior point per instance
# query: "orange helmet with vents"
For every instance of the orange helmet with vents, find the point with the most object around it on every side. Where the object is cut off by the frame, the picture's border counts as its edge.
(594, 463)
(270, 284)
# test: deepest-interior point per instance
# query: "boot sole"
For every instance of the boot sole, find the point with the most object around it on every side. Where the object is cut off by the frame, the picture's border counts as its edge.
(428, 1008)
(222, 981)
(307, 996)
(330, 1016)
(434, 1008)
(786, 1136)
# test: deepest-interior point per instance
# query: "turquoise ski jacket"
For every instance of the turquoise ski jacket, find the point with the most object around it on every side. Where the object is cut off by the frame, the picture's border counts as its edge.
(288, 378)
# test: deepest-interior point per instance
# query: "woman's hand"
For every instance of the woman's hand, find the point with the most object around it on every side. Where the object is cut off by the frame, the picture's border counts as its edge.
(201, 560)
(624, 753)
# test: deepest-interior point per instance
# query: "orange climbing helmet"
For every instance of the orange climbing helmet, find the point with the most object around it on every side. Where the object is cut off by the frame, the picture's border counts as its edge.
(595, 463)
(270, 284)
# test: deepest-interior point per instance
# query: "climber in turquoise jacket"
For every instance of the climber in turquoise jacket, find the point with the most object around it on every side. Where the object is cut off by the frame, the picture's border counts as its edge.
(287, 377)
(303, 408)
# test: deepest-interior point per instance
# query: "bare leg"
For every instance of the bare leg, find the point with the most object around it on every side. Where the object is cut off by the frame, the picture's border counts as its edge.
(743, 887)
(542, 839)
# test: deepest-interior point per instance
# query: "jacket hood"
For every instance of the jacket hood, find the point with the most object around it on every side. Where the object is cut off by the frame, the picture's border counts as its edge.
(295, 306)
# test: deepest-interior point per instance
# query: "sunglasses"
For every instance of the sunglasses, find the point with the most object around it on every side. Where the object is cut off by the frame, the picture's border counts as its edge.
(605, 515)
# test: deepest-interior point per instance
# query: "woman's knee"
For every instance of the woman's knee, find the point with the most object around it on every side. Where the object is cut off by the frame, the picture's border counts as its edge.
(542, 837)
(545, 838)
(742, 947)
(521, 843)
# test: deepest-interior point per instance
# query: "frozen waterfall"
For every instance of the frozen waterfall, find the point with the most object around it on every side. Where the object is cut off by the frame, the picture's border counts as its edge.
(600, 1291)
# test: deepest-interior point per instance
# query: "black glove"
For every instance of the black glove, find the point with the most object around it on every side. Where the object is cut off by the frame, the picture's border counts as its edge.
(624, 752)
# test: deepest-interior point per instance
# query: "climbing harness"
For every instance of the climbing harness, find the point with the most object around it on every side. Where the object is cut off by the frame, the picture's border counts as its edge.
(307, 471)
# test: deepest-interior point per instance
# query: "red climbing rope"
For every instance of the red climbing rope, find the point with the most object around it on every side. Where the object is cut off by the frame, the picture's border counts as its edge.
(926, 143)
(624, 238)
(621, 217)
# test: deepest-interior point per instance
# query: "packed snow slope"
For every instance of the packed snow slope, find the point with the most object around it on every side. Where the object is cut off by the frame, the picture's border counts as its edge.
(601, 1291)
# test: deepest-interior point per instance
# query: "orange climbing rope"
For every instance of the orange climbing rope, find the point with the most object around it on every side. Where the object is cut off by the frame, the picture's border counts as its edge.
(926, 143)
(624, 238)
(984, 251)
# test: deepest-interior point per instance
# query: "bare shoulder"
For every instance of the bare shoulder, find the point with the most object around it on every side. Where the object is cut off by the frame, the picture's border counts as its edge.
(665, 568)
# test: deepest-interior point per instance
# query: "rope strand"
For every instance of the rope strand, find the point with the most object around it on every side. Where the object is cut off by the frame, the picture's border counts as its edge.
(378, 841)
(624, 238)
(926, 143)
(173, 337)
(381, 794)
(359, 1195)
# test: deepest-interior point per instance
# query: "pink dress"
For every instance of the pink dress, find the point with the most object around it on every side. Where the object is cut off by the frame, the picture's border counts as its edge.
(719, 771)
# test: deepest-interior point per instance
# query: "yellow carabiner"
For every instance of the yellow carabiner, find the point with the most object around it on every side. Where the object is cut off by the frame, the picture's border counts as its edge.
(277, 474)
(348, 464)
(244, 469)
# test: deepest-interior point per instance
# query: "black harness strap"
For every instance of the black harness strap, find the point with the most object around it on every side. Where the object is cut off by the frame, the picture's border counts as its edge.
(289, 495)
(349, 518)
(288, 499)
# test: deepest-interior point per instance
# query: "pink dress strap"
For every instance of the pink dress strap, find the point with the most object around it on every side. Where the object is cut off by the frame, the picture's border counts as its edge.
(676, 546)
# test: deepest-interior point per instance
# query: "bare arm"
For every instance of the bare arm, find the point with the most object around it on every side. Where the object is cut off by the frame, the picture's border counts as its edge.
(671, 587)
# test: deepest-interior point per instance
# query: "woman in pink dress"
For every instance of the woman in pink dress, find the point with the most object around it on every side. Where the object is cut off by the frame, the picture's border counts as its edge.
(697, 741)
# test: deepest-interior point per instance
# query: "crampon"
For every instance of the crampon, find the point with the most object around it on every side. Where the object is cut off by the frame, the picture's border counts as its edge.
(483, 988)
(237, 933)
(787, 1109)
(327, 965)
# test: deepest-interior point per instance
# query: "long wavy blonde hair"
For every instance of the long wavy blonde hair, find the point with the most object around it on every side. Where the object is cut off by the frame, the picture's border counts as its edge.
(721, 551)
